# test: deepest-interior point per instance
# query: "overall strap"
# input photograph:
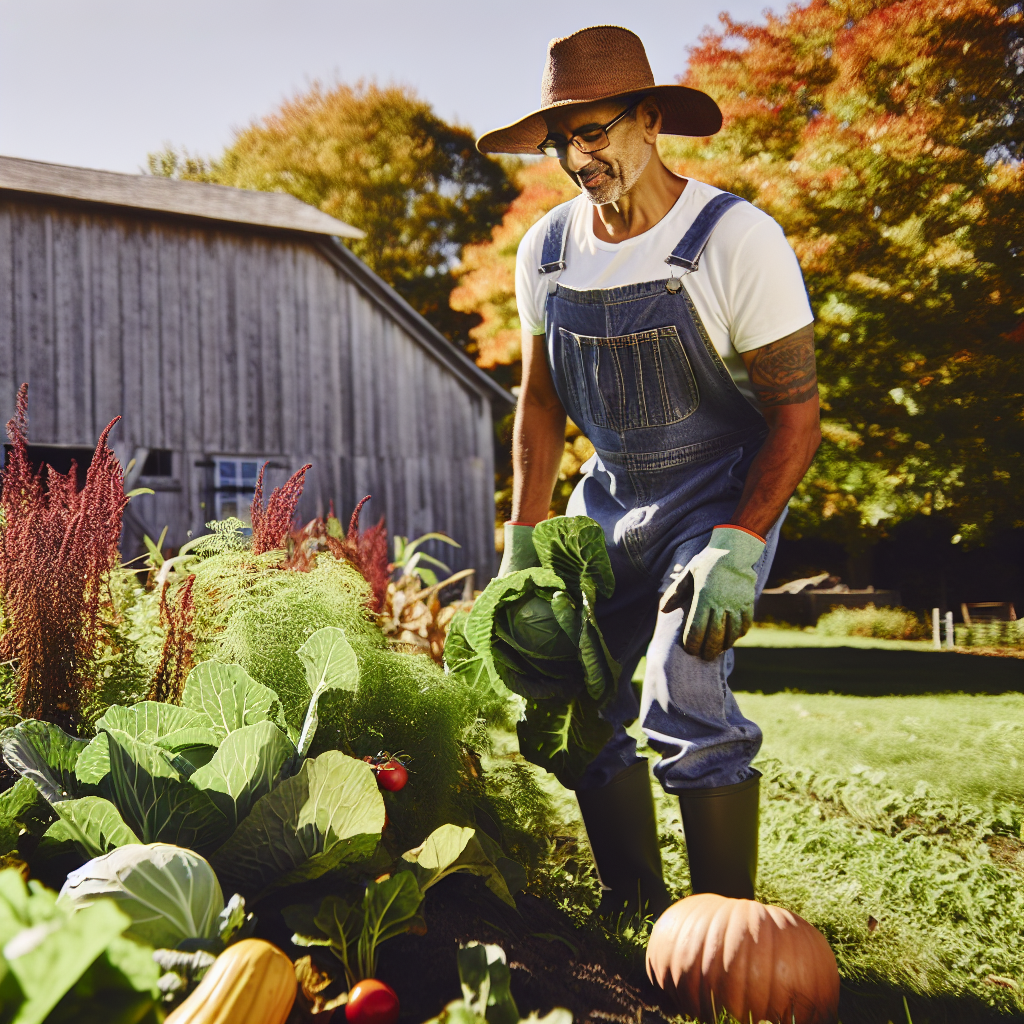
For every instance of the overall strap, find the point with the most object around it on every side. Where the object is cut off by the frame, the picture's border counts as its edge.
(553, 255)
(688, 252)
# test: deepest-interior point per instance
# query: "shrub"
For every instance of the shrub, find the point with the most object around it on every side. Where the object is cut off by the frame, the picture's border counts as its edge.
(57, 547)
(880, 623)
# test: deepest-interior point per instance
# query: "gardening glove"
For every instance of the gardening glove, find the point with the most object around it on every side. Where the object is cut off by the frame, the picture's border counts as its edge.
(519, 550)
(716, 590)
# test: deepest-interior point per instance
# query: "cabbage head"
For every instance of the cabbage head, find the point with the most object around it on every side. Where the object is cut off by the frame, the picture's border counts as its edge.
(171, 894)
(535, 632)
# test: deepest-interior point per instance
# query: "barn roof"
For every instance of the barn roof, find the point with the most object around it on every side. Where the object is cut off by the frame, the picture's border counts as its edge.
(242, 206)
(189, 198)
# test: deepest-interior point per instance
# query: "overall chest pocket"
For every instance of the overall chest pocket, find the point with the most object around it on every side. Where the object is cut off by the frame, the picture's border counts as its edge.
(636, 380)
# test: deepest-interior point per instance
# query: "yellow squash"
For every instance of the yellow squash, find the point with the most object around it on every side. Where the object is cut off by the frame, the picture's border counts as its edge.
(251, 982)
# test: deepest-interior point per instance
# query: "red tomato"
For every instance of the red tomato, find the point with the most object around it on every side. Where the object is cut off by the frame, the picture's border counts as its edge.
(392, 776)
(371, 1002)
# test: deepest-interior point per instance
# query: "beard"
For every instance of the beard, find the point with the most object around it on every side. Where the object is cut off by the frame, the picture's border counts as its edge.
(614, 181)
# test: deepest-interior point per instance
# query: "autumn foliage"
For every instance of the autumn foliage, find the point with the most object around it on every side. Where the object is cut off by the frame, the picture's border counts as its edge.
(885, 138)
(57, 546)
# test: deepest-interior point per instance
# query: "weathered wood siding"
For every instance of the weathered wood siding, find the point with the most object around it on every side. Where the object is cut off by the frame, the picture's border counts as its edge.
(220, 341)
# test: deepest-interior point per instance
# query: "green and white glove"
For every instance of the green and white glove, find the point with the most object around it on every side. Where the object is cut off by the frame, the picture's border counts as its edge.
(716, 590)
(519, 550)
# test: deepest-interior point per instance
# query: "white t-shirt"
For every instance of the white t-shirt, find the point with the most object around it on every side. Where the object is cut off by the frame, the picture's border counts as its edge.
(748, 289)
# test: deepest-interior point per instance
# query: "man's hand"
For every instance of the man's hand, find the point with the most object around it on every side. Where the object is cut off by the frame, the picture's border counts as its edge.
(716, 590)
(519, 551)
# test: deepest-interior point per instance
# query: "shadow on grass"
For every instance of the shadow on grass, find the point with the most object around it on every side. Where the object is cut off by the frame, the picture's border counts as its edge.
(872, 673)
(878, 1004)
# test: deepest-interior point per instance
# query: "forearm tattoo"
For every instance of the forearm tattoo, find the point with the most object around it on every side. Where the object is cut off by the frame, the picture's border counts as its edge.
(783, 373)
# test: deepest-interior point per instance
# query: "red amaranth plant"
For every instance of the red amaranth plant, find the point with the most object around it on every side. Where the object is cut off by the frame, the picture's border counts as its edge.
(178, 654)
(368, 552)
(272, 524)
(57, 545)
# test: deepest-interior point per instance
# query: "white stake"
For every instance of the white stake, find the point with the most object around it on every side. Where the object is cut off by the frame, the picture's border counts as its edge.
(936, 640)
(950, 635)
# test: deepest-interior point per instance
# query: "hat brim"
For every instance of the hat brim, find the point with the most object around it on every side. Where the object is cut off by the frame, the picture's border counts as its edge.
(684, 111)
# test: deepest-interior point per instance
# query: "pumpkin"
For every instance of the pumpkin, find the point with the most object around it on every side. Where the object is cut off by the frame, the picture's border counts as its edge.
(711, 953)
(251, 982)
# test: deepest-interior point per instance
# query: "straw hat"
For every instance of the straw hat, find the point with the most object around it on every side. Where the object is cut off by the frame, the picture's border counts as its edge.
(602, 63)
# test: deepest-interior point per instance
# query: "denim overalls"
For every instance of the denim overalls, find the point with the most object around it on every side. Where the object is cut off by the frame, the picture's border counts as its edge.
(674, 438)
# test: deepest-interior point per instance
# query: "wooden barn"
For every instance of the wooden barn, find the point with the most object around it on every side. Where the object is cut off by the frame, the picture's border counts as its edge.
(231, 328)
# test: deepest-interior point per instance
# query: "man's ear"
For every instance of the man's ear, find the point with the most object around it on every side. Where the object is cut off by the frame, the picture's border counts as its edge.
(648, 116)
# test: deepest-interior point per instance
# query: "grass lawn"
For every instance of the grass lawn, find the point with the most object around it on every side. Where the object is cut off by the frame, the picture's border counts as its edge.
(963, 747)
(893, 824)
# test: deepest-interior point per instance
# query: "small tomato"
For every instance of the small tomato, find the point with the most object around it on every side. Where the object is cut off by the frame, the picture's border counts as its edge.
(393, 776)
(371, 1002)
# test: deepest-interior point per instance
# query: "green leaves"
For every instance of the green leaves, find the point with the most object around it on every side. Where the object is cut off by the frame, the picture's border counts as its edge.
(170, 894)
(353, 931)
(94, 825)
(329, 814)
(42, 752)
(156, 803)
(48, 952)
(574, 547)
(227, 698)
(246, 767)
(563, 738)
(449, 849)
(330, 664)
(535, 632)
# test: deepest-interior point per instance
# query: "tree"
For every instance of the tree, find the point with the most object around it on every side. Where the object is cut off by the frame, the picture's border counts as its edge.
(882, 136)
(381, 160)
(487, 288)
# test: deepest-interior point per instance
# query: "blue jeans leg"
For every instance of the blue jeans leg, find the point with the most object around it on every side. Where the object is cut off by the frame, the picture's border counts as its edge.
(689, 714)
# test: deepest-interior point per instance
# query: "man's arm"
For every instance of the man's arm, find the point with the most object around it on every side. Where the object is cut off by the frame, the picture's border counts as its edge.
(786, 385)
(539, 436)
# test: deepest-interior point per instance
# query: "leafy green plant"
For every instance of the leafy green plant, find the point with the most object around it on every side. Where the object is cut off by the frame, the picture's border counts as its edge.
(410, 560)
(171, 895)
(535, 632)
(881, 623)
(486, 996)
(390, 906)
(58, 966)
(223, 774)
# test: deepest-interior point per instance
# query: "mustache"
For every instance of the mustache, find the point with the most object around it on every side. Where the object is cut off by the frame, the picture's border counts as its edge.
(593, 168)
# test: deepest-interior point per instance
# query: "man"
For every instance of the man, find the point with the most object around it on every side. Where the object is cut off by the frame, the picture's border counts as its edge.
(670, 321)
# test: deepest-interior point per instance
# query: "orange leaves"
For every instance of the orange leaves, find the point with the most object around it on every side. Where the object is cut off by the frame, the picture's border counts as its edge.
(486, 274)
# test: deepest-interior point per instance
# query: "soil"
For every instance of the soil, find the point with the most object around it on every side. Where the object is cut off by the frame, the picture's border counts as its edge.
(552, 962)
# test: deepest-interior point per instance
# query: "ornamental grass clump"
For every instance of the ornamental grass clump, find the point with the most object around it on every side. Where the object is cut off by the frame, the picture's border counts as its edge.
(879, 623)
(57, 546)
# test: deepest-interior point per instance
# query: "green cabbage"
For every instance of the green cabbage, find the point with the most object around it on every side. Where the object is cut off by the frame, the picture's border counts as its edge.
(535, 632)
(170, 894)
(223, 775)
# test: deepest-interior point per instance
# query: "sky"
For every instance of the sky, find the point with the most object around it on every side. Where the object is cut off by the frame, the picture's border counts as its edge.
(101, 83)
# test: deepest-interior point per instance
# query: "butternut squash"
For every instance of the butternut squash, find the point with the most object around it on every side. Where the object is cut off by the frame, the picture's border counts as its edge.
(251, 982)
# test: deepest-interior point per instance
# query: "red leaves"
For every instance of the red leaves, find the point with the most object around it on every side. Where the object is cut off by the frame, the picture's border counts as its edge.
(57, 545)
(178, 654)
(368, 552)
(272, 528)
(272, 524)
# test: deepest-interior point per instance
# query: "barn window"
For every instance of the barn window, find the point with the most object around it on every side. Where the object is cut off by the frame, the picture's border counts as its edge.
(235, 487)
(158, 463)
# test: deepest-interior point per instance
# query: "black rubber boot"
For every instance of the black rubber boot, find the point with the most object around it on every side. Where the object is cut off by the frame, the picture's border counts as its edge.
(623, 834)
(721, 837)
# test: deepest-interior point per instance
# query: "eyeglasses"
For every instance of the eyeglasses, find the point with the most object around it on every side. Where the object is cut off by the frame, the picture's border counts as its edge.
(592, 139)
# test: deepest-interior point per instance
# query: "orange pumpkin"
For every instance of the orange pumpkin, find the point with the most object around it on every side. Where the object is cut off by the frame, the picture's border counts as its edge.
(759, 962)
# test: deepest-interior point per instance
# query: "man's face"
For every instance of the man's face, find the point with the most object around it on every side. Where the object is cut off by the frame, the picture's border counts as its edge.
(607, 175)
